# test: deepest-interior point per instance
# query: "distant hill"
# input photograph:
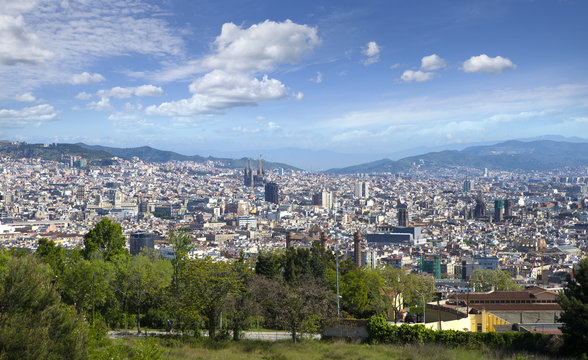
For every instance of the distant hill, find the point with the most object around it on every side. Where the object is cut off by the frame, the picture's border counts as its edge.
(102, 154)
(509, 155)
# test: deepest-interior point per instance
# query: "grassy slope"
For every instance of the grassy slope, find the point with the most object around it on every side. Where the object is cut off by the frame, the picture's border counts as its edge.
(311, 350)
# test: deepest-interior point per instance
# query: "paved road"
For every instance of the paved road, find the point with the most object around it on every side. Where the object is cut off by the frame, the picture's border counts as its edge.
(250, 335)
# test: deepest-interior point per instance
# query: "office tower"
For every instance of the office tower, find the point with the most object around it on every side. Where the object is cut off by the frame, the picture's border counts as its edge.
(272, 193)
(81, 193)
(508, 207)
(325, 199)
(402, 214)
(498, 210)
(357, 248)
(139, 241)
(467, 186)
(362, 189)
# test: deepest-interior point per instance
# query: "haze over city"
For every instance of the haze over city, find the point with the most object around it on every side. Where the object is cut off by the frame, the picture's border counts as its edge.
(235, 77)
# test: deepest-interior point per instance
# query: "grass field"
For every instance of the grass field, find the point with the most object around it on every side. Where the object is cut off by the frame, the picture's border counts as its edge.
(168, 348)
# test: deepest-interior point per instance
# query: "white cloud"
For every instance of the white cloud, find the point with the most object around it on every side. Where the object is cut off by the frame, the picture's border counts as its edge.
(299, 96)
(372, 51)
(483, 63)
(86, 78)
(218, 91)
(318, 79)
(395, 66)
(65, 39)
(17, 44)
(26, 97)
(432, 62)
(239, 55)
(416, 76)
(148, 90)
(101, 105)
(261, 47)
(28, 116)
(126, 92)
(83, 96)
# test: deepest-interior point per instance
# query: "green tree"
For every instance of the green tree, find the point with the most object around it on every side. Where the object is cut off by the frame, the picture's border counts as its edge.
(289, 305)
(34, 323)
(486, 280)
(574, 303)
(268, 264)
(51, 254)
(362, 293)
(86, 284)
(148, 276)
(105, 237)
(208, 286)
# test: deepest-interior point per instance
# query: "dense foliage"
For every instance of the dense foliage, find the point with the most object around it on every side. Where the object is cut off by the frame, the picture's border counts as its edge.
(574, 303)
(381, 331)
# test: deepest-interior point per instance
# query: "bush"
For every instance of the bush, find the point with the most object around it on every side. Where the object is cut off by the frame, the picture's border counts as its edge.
(380, 331)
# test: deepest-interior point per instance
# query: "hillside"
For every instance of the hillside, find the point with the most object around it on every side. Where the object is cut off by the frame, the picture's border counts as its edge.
(102, 154)
(509, 155)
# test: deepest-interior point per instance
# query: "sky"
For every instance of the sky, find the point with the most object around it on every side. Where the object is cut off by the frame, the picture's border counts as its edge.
(369, 77)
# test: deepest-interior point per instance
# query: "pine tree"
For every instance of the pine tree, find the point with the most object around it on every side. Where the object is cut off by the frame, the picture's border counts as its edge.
(574, 302)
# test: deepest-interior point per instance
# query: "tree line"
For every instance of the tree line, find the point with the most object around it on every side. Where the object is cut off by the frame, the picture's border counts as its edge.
(67, 296)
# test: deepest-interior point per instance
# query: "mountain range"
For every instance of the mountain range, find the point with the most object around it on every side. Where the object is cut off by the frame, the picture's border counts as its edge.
(97, 154)
(508, 155)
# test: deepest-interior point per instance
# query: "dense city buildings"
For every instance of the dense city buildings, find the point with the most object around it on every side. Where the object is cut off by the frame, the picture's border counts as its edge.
(535, 228)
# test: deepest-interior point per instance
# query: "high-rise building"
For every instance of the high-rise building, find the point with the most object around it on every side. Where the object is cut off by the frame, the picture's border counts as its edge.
(139, 241)
(325, 199)
(507, 207)
(498, 210)
(467, 186)
(272, 193)
(362, 189)
(402, 214)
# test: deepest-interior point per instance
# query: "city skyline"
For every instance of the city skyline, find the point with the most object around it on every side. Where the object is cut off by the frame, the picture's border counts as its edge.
(373, 78)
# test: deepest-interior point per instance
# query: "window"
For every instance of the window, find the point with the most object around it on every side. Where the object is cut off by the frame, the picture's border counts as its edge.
(479, 327)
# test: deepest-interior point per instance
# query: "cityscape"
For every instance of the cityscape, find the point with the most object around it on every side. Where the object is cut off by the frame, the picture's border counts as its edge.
(268, 180)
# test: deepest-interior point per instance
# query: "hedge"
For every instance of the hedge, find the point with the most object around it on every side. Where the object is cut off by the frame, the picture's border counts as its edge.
(380, 331)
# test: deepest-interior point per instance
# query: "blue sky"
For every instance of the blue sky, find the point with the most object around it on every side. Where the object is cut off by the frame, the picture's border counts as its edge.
(371, 77)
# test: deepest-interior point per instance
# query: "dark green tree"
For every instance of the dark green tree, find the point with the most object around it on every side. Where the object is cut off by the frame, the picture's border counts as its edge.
(51, 254)
(105, 237)
(34, 323)
(574, 303)
(268, 264)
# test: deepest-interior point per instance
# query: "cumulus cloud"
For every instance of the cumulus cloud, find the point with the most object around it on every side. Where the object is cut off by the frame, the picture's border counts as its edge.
(17, 44)
(35, 115)
(299, 96)
(261, 47)
(240, 56)
(26, 97)
(219, 90)
(484, 63)
(126, 92)
(372, 51)
(86, 78)
(432, 62)
(416, 76)
(101, 105)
